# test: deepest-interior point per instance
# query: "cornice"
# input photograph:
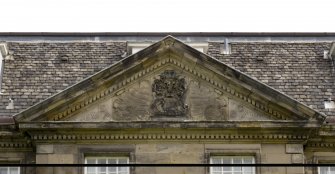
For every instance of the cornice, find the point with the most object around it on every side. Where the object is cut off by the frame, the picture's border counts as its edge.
(12, 145)
(184, 137)
(322, 145)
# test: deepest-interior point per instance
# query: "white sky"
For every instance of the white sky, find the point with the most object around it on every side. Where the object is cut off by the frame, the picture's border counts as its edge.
(167, 15)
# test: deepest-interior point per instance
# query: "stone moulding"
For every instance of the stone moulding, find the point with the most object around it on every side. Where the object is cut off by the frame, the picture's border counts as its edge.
(167, 137)
(320, 145)
(274, 113)
(171, 131)
(15, 145)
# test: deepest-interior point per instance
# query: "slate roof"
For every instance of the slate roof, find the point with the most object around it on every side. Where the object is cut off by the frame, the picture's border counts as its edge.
(296, 69)
(38, 71)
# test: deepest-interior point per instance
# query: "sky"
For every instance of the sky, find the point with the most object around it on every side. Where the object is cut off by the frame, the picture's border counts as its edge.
(167, 16)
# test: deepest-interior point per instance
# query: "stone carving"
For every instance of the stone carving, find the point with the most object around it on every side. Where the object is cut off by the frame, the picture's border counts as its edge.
(169, 95)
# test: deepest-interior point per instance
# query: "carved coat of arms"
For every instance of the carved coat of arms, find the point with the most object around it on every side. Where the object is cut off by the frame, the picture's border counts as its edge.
(169, 95)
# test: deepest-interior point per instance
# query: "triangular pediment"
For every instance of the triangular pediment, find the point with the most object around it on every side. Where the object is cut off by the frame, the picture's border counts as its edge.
(169, 81)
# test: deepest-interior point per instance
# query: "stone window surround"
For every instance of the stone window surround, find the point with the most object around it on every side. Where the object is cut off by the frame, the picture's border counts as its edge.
(233, 152)
(11, 160)
(106, 159)
(112, 151)
(322, 160)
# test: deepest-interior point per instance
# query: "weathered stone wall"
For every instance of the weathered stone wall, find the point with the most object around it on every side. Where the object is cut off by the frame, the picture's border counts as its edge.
(173, 153)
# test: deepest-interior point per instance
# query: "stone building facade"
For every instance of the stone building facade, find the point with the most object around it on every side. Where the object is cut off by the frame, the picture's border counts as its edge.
(215, 98)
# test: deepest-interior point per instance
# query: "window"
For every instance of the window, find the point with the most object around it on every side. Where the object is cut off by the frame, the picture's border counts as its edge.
(136, 47)
(326, 170)
(232, 169)
(106, 170)
(9, 170)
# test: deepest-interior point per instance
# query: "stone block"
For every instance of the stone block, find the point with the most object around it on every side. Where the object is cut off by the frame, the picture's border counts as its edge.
(191, 158)
(45, 149)
(41, 159)
(297, 158)
(65, 149)
(153, 158)
(169, 170)
(146, 170)
(44, 170)
(65, 170)
(294, 148)
(273, 170)
(145, 148)
(275, 158)
(273, 148)
(60, 159)
(170, 148)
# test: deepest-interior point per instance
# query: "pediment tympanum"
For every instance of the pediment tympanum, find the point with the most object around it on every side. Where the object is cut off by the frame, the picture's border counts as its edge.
(169, 94)
(169, 81)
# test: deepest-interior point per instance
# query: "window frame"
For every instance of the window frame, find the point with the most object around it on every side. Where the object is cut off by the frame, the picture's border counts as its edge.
(113, 151)
(13, 161)
(319, 169)
(319, 159)
(107, 158)
(8, 169)
(233, 152)
(230, 157)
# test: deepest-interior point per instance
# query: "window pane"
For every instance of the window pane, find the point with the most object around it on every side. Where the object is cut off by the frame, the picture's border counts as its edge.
(232, 160)
(3, 170)
(14, 170)
(247, 169)
(111, 161)
(216, 169)
(112, 169)
(123, 161)
(227, 160)
(216, 160)
(323, 170)
(101, 169)
(101, 161)
(105, 169)
(123, 169)
(216, 173)
(91, 169)
(237, 160)
(90, 161)
(247, 160)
